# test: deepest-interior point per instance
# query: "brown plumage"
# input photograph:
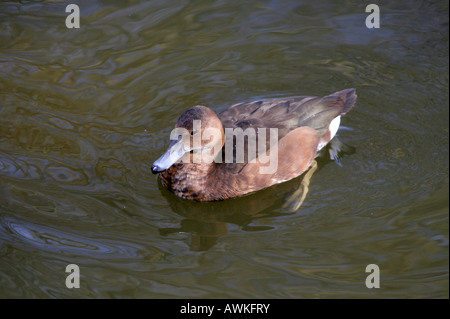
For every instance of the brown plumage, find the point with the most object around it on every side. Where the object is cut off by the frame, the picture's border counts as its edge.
(303, 124)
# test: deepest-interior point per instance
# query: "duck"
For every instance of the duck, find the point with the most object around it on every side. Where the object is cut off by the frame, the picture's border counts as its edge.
(297, 128)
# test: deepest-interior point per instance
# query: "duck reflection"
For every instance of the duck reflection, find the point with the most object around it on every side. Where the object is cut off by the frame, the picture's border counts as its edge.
(208, 221)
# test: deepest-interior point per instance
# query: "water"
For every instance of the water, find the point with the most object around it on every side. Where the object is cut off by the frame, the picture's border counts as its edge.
(84, 113)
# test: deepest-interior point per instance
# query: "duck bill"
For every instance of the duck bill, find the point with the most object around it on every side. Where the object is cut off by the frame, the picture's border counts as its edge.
(170, 157)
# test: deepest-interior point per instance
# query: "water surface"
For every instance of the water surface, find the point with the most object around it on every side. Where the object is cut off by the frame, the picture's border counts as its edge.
(84, 113)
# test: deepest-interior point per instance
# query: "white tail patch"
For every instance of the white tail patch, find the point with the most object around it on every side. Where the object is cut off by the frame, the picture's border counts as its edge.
(333, 128)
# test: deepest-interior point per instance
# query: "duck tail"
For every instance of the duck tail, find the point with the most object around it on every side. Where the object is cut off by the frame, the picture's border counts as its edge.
(348, 97)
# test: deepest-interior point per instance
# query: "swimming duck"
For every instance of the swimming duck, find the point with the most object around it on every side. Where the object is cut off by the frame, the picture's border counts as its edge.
(304, 125)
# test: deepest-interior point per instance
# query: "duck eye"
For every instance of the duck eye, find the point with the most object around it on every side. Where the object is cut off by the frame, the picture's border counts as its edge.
(193, 132)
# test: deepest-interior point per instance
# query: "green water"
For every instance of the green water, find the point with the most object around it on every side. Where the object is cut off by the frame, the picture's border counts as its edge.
(85, 112)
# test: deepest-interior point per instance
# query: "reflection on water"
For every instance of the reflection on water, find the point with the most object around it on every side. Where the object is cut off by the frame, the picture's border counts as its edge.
(84, 112)
(206, 222)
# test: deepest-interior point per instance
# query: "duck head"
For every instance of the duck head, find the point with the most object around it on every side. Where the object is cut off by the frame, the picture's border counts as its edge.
(198, 137)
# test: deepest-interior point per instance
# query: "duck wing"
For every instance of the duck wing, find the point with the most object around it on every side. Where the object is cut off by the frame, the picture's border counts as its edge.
(285, 114)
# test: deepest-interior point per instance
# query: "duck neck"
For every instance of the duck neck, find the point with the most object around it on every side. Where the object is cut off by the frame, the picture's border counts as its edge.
(202, 171)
